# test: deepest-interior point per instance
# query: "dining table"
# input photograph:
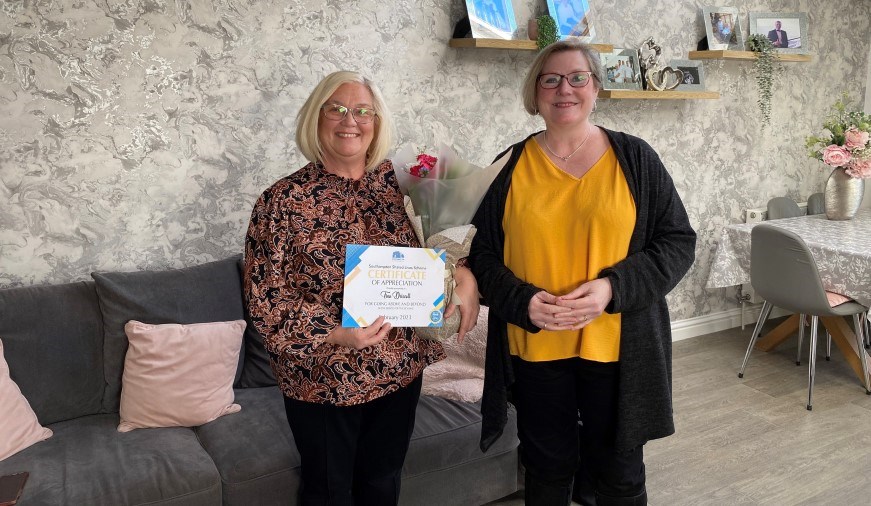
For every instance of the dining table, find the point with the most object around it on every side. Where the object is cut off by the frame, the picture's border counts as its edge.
(842, 252)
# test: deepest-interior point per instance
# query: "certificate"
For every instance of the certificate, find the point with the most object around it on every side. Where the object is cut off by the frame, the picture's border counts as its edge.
(405, 285)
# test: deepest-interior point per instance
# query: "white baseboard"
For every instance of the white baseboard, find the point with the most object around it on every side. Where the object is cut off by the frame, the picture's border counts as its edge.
(701, 325)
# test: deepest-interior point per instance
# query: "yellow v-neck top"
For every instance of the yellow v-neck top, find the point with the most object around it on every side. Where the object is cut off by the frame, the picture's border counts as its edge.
(561, 231)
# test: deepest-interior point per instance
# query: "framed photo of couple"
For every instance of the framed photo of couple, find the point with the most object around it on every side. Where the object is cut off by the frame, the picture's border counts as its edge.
(722, 28)
(787, 31)
(693, 74)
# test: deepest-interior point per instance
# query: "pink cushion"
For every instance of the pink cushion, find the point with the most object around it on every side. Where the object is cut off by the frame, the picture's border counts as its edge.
(836, 299)
(179, 375)
(19, 427)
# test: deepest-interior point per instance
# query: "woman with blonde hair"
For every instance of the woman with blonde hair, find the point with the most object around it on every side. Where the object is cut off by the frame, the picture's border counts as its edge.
(350, 393)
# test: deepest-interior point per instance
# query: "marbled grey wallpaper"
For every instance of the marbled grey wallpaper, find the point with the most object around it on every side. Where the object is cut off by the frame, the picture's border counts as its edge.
(137, 134)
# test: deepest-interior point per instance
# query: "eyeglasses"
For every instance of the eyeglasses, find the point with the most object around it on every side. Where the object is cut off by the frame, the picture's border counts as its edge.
(575, 79)
(337, 112)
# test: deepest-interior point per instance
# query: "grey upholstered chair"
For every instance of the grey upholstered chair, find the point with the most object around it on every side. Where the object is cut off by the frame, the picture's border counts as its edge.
(782, 207)
(816, 204)
(785, 207)
(784, 273)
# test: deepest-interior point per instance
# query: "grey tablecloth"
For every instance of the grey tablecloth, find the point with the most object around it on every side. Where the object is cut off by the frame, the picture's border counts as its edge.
(842, 250)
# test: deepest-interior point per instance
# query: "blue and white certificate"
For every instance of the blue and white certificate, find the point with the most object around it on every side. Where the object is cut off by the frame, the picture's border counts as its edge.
(405, 285)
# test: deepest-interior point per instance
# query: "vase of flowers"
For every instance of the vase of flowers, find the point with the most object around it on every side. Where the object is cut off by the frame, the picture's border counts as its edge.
(845, 146)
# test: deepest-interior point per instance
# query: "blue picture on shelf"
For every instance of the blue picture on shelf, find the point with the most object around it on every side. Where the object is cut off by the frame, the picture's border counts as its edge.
(491, 19)
(572, 18)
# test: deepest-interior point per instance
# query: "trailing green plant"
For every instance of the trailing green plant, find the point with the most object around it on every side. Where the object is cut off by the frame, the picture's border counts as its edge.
(547, 31)
(766, 67)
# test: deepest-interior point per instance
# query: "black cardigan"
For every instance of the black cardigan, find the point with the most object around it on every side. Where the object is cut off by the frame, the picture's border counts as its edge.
(661, 250)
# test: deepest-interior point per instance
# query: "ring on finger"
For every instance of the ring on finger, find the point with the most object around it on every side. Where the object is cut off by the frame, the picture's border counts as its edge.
(585, 318)
(545, 325)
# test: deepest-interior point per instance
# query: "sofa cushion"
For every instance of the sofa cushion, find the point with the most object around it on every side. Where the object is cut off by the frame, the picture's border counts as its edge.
(444, 450)
(211, 292)
(257, 372)
(88, 462)
(254, 450)
(19, 427)
(53, 342)
(179, 375)
(256, 456)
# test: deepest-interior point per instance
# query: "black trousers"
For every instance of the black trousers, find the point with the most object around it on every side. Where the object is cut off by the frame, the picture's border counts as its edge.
(566, 417)
(353, 455)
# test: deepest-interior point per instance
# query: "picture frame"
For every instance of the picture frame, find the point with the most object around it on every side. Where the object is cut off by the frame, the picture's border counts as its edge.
(491, 19)
(572, 18)
(723, 28)
(694, 74)
(622, 69)
(793, 28)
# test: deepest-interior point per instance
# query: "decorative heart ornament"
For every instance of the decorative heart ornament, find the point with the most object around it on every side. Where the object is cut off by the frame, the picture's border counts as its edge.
(667, 78)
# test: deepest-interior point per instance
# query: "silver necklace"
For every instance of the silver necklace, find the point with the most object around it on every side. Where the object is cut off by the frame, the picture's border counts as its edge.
(566, 158)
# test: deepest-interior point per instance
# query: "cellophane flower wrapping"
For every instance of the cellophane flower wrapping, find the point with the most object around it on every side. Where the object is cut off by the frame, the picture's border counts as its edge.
(443, 194)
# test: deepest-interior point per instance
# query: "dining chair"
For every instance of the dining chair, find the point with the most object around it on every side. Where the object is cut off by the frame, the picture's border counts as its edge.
(784, 273)
(782, 207)
(785, 207)
(816, 204)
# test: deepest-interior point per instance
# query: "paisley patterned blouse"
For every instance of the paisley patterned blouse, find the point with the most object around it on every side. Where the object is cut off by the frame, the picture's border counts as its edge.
(294, 272)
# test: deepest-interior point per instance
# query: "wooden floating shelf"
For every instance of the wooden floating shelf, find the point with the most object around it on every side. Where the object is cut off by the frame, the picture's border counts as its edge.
(743, 55)
(524, 45)
(658, 95)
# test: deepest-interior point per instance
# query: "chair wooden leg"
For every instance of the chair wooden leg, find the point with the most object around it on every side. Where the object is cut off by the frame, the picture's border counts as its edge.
(811, 370)
(858, 322)
(763, 315)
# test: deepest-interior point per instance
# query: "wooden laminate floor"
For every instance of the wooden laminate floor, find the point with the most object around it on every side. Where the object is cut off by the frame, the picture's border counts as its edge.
(751, 441)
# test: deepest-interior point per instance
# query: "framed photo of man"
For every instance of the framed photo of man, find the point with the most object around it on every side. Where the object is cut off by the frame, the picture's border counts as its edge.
(491, 19)
(722, 28)
(572, 18)
(787, 31)
(622, 71)
(693, 74)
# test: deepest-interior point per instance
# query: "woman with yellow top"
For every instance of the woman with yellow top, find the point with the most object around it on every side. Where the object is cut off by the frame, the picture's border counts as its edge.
(579, 239)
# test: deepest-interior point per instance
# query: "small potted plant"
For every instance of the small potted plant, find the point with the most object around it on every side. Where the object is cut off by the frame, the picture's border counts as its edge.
(547, 31)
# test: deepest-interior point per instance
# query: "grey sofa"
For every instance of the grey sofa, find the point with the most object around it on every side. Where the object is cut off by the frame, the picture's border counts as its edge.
(65, 346)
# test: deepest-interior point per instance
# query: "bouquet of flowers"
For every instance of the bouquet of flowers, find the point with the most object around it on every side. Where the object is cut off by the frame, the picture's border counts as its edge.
(845, 142)
(442, 194)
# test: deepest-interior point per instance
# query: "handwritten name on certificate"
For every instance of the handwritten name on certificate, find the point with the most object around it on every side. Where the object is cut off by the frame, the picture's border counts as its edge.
(406, 285)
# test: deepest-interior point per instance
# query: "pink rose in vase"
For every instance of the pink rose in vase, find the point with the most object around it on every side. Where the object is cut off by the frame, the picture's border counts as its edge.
(855, 138)
(835, 156)
(859, 168)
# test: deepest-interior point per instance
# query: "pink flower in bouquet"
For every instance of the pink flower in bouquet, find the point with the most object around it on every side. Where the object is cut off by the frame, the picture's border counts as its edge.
(835, 156)
(844, 142)
(425, 164)
(855, 139)
(859, 168)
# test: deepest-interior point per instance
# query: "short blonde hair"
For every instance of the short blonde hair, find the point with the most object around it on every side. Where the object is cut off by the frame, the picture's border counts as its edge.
(530, 84)
(307, 119)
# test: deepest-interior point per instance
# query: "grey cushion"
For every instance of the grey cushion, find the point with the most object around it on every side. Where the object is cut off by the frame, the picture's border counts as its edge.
(255, 453)
(210, 292)
(256, 371)
(88, 462)
(254, 450)
(53, 340)
(445, 465)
